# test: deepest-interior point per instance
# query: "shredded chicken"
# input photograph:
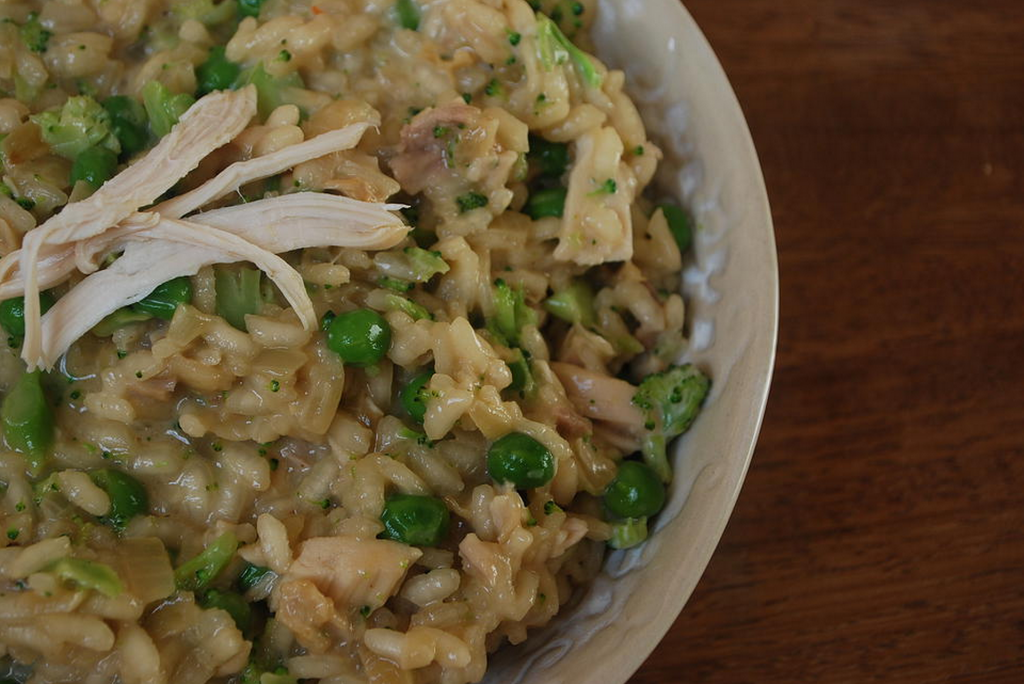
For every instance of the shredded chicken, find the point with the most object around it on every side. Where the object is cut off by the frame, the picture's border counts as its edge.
(597, 226)
(240, 173)
(421, 150)
(211, 122)
(158, 246)
(279, 224)
(354, 572)
(174, 248)
(606, 400)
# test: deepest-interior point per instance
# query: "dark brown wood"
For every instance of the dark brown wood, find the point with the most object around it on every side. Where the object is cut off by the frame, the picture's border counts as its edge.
(880, 533)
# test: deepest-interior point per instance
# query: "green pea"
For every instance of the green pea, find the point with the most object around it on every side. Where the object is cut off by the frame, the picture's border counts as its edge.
(546, 203)
(521, 460)
(166, 298)
(251, 576)
(361, 337)
(680, 224)
(28, 420)
(550, 158)
(415, 520)
(249, 8)
(233, 604)
(217, 72)
(128, 122)
(636, 492)
(12, 313)
(128, 497)
(95, 166)
(412, 396)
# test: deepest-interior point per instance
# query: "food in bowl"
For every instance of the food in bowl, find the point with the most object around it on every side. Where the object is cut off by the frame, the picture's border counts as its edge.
(342, 339)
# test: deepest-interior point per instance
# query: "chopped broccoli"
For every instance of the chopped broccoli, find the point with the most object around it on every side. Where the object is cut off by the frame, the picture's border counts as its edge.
(522, 376)
(33, 34)
(609, 187)
(470, 201)
(670, 401)
(205, 11)
(163, 107)
(574, 304)
(395, 284)
(117, 320)
(510, 313)
(238, 294)
(197, 573)
(628, 533)
(425, 263)
(395, 303)
(271, 91)
(556, 49)
(78, 125)
(88, 575)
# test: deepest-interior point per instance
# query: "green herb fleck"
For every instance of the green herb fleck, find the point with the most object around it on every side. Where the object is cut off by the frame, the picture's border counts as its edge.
(609, 187)
(470, 201)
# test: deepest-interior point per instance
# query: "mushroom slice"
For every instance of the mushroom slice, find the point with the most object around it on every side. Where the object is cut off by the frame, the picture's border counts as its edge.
(208, 124)
(240, 173)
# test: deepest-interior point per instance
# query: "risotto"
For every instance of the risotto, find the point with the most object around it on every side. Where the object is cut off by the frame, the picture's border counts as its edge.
(341, 338)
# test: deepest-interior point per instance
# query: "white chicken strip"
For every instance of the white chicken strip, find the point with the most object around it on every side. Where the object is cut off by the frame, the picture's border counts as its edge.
(353, 572)
(605, 399)
(596, 225)
(155, 255)
(210, 123)
(308, 219)
(277, 269)
(166, 251)
(240, 173)
(277, 224)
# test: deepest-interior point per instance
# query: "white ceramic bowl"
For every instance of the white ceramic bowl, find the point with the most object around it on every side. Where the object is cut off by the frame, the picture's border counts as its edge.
(732, 293)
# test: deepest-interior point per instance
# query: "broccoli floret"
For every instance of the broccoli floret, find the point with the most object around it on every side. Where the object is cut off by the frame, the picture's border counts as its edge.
(522, 377)
(163, 107)
(34, 35)
(425, 263)
(556, 49)
(670, 401)
(272, 91)
(628, 533)
(80, 124)
(396, 303)
(510, 313)
(574, 304)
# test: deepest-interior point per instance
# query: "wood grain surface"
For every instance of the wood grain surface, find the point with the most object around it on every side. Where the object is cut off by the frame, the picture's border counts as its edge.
(880, 533)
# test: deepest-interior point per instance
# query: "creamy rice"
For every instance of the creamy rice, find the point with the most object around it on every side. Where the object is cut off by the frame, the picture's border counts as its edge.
(535, 290)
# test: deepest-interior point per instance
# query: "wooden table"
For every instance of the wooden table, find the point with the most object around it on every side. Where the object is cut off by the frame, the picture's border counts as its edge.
(880, 533)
